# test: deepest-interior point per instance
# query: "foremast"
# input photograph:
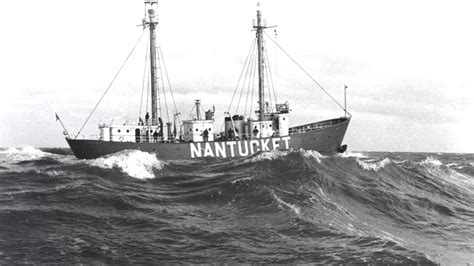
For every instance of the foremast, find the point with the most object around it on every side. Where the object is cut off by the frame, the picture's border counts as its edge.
(260, 52)
(151, 23)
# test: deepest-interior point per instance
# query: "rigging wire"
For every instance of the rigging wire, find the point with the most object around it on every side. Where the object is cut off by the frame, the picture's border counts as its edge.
(148, 91)
(241, 73)
(169, 84)
(251, 79)
(319, 85)
(270, 83)
(268, 87)
(110, 85)
(163, 85)
(266, 76)
(270, 77)
(190, 113)
(144, 78)
(240, 77)
(249, 69)
(253, 89)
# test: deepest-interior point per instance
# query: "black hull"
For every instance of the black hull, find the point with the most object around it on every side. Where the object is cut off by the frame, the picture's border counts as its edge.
(325, 137)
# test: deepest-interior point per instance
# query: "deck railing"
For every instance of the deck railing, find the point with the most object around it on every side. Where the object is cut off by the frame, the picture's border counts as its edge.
(315, 126)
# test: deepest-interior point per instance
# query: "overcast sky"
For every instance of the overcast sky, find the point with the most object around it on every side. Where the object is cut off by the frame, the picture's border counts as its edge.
(409, 65)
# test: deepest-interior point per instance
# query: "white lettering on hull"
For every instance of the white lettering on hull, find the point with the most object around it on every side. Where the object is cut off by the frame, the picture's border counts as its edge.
(275, 143)
(220, 149)
(208, 151)
(231, 144)
(256, 143)
(286, 139)
(195, 152)
(246, 143)
(265, 144)
(244, 147)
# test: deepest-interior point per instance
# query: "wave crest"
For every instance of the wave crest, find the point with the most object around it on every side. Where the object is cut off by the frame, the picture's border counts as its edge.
(27, 153)
(348, 154)
(134, 163)
(310, 154)
(373, 165)
(270, 155)
(431, 161)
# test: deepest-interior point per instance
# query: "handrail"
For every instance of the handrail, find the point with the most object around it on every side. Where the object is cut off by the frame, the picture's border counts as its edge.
(315, 126)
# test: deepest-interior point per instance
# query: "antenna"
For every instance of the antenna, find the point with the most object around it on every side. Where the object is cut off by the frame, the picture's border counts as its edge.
(345, 107)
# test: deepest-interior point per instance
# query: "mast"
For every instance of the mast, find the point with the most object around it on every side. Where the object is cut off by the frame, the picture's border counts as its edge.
(261, 91)
(154, 75)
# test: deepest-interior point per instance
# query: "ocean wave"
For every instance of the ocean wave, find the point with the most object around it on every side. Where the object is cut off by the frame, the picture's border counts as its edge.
(386, 207)
(293, 207)
(276, 154)
(242, 179)
(431, 161)
(310, 154)
(271, 155)
(452, 165)
(17, 154)
(461, 180)
(134, 163)
(373, 164)
(348, 154)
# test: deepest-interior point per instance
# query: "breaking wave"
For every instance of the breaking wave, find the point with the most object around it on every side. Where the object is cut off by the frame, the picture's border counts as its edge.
(18, 154)
(312, 154)
(374, 165)
(271, 155)
(276, 154)
(134, 163)
(431, 161)
(347, 154)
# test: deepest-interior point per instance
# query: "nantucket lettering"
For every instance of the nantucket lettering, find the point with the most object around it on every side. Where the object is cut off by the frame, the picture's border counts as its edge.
(241, 148)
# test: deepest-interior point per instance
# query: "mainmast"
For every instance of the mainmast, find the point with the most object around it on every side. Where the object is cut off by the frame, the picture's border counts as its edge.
(154, 74)
(261, 91)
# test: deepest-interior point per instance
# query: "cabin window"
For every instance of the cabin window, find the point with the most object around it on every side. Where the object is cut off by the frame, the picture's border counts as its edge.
(284, 118)
(209, 129)
(118, 131)
(128, 130)
(196, 130)
(270, 125)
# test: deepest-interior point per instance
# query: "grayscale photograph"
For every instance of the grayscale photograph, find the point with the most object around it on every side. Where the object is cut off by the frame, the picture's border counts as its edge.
(223, 132)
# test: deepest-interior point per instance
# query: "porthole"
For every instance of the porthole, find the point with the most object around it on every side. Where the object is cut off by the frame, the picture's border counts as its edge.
(284, 118)
(197, 130)
(118, 131)
(128, 130)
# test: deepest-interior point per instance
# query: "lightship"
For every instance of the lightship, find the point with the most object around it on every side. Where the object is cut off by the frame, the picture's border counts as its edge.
(262, 130)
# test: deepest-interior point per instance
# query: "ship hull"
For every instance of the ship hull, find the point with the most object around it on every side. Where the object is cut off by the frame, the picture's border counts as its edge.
(325, 137)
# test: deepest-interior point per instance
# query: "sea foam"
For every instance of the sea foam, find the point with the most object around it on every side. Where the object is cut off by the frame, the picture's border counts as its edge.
(22, 154)
(310, 154)
(431, 161)
(348, 154)
(134, 163)
(290, 206)
(373, 165)
(270, 155)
